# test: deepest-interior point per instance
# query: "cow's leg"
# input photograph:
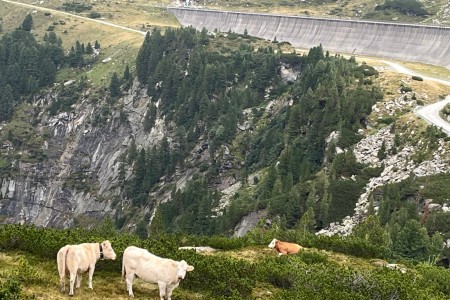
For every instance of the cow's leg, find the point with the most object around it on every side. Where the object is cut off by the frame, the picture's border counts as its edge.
(170, 289)
(78, 281)
(129, 279)
(73, 275)
(62, 282)
(91, 273)
(162, 290)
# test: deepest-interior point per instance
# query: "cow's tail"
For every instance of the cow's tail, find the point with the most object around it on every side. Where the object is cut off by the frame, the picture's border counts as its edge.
(61, 261)
(123, 269)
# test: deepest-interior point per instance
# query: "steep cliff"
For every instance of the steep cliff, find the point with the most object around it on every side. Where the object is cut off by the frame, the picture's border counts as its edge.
(78, 181)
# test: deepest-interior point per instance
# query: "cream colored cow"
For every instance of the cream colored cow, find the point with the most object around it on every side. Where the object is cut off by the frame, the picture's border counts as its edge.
(167, 273)
(77, 259)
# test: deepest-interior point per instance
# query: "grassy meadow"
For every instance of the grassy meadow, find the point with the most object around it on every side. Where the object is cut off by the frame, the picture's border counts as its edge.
(240, 268)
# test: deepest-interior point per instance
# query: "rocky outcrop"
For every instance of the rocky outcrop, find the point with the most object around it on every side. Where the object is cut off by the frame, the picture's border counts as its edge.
(77, 184)
(398, 167)
(248, 222)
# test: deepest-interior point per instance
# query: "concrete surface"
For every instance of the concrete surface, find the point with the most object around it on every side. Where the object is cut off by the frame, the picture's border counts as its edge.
(407, 42)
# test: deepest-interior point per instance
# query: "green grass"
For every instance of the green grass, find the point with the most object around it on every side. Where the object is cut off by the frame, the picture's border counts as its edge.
(42, 280)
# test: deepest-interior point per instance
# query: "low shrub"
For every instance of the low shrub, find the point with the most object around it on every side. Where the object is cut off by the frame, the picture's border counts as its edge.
(10, 290)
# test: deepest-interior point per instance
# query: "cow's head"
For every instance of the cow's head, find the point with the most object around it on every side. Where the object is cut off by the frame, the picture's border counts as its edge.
(273, 243)
(182, 268)
(108, 251)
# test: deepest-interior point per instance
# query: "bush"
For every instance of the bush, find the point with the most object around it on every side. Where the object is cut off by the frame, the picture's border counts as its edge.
(405, 89)
(95, 15)
(10, 290)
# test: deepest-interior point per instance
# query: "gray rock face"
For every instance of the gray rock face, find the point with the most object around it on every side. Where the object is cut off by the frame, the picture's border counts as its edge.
(397, 168)
(51, 193)
(248, 222)
(427, 44)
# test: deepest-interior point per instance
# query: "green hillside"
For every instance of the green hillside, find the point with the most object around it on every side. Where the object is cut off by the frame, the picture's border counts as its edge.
(239, 269)
(199, 113)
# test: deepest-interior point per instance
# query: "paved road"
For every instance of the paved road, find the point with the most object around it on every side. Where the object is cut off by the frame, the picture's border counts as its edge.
(429, 113)
(75, 16)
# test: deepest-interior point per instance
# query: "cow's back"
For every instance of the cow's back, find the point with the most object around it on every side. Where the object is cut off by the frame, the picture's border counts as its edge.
(290, 248)
(149, 267)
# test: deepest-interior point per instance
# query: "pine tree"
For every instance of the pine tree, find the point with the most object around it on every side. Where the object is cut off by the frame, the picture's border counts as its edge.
(382, 151)
(150, 117)
(157, 227)
(139, 174)
(412, 241)
(32, 85)
(132, 152)
(436, 247)
(307, 223)
(6, 104)
(47, 72)
(89, 49)
(127, 74)
(27, 23)
(114, 86)
(372, 231)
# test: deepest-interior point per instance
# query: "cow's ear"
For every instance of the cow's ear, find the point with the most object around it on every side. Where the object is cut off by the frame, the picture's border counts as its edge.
(190, 268)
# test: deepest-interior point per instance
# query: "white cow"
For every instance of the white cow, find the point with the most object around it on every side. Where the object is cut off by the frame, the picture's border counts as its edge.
(167, 273)
(77, 259)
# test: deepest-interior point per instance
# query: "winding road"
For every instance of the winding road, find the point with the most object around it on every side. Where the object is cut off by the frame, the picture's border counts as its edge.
(429, 113)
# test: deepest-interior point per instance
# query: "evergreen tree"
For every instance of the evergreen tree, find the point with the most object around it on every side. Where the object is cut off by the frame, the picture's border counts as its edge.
(307, 223)
(89, 49)
(372, 231)
(127, 74)
(412, 241)
(436, 247)
(157, 227)
(381, 154)
(32, 85)
(132, 152)
(139, 174)
(97, 45)
(27, 23)
(47, 72)
(141, 230)
(150, 117)
(114, 86)
(7, 102)
(204, 38)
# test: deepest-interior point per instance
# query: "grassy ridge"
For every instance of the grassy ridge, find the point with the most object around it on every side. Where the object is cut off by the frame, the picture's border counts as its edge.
(247, 270)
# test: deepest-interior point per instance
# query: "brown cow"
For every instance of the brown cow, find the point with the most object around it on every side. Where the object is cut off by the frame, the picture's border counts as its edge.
(77, 259)
(284, 247)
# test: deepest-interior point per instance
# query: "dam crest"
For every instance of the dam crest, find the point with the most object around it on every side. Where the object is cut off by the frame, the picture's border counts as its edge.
(407, 42)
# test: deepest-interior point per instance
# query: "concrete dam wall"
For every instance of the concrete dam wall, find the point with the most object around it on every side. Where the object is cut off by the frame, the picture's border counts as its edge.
(407, 42)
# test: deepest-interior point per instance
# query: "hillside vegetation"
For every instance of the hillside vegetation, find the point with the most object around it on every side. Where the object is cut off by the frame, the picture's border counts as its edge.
(241, 269)
(280, 127)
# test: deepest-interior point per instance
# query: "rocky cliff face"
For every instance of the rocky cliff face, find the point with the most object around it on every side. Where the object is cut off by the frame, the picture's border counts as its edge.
(78, 181)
